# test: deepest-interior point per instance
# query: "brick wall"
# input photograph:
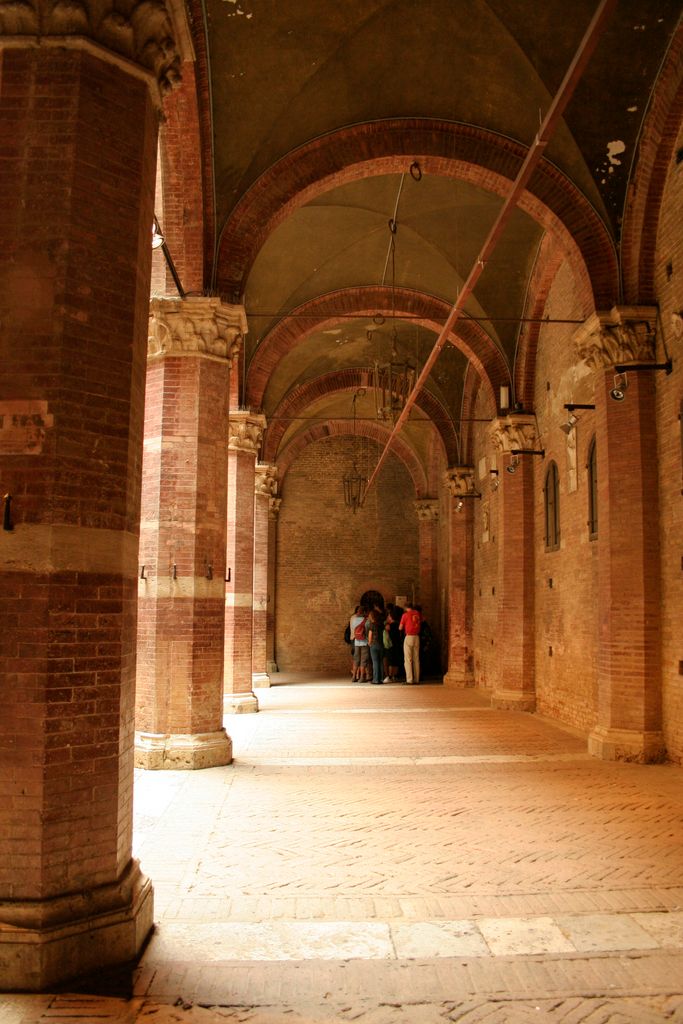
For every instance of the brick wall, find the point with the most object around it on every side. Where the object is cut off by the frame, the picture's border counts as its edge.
(486, 554)
(566, 579)
(80, 146)
(669, 286)
(327, 556)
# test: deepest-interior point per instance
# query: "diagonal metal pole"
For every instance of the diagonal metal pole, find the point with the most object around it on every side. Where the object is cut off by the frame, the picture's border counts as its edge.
(534, 154)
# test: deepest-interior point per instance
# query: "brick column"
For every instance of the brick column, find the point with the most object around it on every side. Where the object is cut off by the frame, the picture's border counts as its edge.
(515, 687)
(181, 591)
(459, 481)
(79, 131)
(273, 510)
(427, 510)
(244, 439)
(265, 491)
(629, 670)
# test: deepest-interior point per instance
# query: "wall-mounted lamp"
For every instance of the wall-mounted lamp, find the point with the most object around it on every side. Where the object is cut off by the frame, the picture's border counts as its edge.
(512, 467)
(618, 392)
(159, 242)
(495, 482)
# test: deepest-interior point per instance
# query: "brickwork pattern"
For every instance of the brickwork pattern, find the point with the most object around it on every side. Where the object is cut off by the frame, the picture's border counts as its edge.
(239, 591)
(183, 547)
(327, 556)
(460, 864)
(450, 149)
(80, 312)
(566, 579)
(669, 283)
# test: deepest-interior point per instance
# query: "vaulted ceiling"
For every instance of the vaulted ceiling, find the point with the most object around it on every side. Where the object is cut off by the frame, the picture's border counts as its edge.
(360, 153)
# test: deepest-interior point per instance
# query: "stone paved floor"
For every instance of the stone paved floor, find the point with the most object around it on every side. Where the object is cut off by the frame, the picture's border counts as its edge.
(402, 854)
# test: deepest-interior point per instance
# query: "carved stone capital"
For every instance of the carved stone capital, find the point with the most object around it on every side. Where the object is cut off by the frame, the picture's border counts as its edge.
(245, 431)
(265, 482)
(459, 480)
(624, 334)
(427, 510)
(513, 432)
(195, 326)
(273, 510)
(141, 31)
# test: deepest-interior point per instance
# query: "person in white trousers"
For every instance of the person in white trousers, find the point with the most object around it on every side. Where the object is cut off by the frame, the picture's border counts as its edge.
(410, 623)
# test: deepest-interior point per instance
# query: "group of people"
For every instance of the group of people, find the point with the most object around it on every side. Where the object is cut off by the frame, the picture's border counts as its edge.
(384, 641)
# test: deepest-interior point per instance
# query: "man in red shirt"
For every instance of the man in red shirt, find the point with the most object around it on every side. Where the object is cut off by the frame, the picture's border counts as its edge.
(410, 623)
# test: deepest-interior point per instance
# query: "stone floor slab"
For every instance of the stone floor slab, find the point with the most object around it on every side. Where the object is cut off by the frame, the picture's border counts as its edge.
(421, 939)
(274, 940)
(606, 932)
(510, 936)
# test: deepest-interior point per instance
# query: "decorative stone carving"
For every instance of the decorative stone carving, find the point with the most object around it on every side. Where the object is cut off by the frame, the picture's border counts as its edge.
(197, 325)
(273, 511)
(625, 334)
(427, 510)
(245, 431)
(460, 480)
(141, 31)
(513, 432)
(265, 482)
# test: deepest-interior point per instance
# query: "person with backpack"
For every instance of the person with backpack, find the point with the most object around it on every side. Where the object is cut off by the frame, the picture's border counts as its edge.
(361, 654)
(374, 628)
(348, 639)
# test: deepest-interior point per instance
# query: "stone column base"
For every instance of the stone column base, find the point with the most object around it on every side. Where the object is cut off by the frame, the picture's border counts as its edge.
(513, 700)
(179, 751)
(46, 942)
(239, 703)
(260, 681)
(626, 745)
(271, 666)
(457, 679)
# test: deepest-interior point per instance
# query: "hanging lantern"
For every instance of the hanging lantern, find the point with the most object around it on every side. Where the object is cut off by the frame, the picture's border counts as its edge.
(392, 383)
(354, 489)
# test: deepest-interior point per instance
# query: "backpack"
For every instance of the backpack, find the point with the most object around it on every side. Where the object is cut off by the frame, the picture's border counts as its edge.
(359, 631)
(347, 633)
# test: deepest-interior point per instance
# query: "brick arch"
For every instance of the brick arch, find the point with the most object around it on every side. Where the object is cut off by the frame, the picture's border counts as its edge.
(343, 428)
(445, 148)
(470, 393)
(188, 212)
(430, 312)
(646, 188)
(549, 260)
(350, 379)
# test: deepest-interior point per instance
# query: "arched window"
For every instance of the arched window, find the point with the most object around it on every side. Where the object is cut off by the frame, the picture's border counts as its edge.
(592, 473)
(551, 493)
